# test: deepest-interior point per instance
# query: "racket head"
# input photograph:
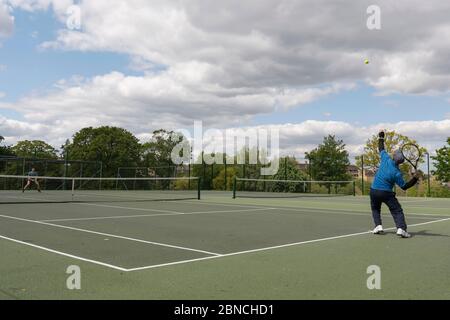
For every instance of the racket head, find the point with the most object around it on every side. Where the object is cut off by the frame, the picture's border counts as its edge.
(411, 152)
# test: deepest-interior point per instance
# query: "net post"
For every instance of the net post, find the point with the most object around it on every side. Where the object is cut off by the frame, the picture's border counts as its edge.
(73, 188)
(354, 188)
(234, 187)
(101, 176)
(199, 188)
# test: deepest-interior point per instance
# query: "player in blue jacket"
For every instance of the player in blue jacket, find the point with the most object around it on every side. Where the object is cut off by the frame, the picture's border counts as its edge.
(381, 191)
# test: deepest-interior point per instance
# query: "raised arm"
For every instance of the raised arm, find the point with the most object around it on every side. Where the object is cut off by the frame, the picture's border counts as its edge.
(381, 141)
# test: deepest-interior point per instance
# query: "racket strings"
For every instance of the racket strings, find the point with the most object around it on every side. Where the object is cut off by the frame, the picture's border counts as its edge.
(411, 152)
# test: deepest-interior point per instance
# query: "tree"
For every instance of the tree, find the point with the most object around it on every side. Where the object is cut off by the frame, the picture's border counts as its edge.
(114, 147)
(209, 172)
(158, 151)
(329, 161)
(288, 170)
(392, 142)
(219, 180)
(34, 149)
(442, 163)
(5, 150)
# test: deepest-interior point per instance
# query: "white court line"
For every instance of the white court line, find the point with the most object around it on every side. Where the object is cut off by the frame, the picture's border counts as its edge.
(196, 202)
(260, 208)
(405, 200)
(274, 247)
(368, 214)
(300, 206)
(145, 209)
(111, 235)
(130, 197)
(157, 215)
(213, 202)
(28, 198)
(65, 254)
(101, 205)
(126, 208)
(198, 259)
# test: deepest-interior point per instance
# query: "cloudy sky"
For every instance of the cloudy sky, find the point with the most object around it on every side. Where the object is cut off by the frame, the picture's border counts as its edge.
(296, 65)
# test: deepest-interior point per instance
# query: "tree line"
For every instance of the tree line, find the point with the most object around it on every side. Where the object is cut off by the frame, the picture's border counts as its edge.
(116, 147)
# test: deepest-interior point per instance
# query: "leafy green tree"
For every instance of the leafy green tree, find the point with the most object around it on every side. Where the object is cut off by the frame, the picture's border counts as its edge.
(214, 174)
(35, 149)
(329, 161)
(442, 163)
(208, 172)
(393, 141)
(219, 180)
(114, 147)
(439, 189)
(157, 153)
(5, 150)
(288, 170)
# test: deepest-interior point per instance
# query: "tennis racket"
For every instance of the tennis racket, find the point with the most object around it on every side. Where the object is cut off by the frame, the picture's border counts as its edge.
(412, 154)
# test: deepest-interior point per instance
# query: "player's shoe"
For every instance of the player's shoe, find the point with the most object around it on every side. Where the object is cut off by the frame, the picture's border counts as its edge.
(378, 230)
(402, 233)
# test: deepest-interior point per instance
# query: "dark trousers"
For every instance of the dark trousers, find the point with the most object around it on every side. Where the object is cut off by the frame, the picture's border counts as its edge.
(378, 197)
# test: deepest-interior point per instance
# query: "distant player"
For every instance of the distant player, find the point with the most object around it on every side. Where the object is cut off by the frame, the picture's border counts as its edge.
(32, 179)
(381, 191)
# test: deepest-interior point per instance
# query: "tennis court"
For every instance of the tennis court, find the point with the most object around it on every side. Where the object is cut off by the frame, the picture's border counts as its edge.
(220, 248)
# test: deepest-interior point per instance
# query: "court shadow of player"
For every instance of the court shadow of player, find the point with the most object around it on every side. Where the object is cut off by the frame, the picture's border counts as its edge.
(426, 233)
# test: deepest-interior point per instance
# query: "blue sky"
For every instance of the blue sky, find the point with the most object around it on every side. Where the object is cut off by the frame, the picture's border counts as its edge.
(363, 106)
(218, 72)
(31, 69)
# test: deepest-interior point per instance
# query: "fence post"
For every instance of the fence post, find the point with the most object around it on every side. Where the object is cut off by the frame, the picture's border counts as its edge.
(362, 175)
(225, 179)
(428, 176)
(212, 177)
(189, 175)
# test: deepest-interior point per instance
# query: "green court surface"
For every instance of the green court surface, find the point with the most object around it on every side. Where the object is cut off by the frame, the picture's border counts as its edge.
(223, 248)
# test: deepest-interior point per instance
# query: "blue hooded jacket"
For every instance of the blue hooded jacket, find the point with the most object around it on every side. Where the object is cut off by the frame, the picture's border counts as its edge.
(388, 174)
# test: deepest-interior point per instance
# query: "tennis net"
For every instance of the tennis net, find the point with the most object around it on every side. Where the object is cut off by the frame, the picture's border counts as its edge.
(266, 188)
(77, 189)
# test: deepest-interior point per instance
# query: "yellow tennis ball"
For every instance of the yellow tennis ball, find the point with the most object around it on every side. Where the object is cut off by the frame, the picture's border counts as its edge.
(366, 61)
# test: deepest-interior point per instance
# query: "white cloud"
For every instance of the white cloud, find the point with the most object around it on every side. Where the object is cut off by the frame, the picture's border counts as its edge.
(295, 138)
(6, 21)
(265, 43)
(172, 98)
